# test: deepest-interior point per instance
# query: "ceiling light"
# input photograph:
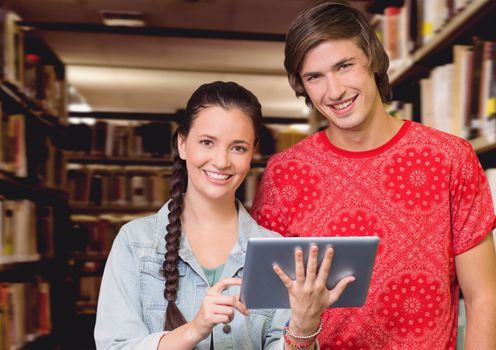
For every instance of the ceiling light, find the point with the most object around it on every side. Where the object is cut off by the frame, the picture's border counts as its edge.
(123, 18)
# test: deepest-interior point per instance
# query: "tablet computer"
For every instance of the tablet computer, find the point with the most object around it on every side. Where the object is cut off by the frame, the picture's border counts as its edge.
(262, 289)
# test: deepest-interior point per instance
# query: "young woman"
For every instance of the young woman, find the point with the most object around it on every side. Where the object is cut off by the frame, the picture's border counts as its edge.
(181, 291)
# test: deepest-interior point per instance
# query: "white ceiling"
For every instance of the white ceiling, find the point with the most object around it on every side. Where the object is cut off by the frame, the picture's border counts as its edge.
(154, 73)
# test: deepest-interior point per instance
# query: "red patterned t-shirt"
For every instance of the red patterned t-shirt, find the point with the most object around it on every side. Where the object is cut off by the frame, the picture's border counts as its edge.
(424, 193)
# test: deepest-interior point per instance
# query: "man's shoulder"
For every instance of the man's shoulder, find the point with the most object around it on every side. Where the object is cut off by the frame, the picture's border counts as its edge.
(297, 152)
(450, 143)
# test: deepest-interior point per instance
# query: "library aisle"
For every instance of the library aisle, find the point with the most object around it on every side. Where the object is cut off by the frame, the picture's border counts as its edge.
(86, 147)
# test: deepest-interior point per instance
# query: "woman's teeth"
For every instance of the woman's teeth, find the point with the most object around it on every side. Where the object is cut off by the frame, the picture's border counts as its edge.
(217, 176)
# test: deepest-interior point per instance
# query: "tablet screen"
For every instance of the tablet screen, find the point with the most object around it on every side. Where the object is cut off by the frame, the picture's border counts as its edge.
(262, 288)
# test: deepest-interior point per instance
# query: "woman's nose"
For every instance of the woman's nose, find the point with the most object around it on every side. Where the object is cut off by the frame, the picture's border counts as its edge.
(221, 160)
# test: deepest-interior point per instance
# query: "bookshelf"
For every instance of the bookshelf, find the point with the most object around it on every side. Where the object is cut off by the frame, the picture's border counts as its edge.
(118, 168)
(34, 209)
(466, 21)
(442, 66)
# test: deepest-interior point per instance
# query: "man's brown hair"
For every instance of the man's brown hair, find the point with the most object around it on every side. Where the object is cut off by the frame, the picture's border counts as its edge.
(334, 20)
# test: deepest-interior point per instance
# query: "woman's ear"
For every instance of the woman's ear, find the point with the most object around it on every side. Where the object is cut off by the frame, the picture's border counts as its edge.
(181, 146)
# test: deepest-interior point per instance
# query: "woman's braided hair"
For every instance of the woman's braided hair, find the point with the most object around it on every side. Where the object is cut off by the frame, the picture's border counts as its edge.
(227, 95)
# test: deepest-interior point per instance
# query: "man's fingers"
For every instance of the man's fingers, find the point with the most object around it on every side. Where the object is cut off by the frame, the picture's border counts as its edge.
(299, 265)
(288, 282)
(325, 266)
(312, 264)
(339, 289)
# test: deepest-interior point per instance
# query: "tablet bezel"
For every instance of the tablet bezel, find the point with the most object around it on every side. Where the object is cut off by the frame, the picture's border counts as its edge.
(262, 289)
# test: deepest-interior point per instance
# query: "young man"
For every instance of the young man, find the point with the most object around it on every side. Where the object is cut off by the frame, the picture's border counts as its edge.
(423, 192)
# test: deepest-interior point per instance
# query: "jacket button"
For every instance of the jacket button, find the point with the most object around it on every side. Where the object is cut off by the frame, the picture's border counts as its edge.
(226, 329)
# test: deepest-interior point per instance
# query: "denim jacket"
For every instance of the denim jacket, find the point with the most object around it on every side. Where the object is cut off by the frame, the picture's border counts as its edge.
(131, 304)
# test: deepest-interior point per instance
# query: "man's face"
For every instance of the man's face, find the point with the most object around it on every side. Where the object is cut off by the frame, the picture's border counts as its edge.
(337, 78)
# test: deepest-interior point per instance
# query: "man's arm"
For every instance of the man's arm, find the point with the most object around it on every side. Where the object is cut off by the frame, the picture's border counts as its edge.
(476, 272)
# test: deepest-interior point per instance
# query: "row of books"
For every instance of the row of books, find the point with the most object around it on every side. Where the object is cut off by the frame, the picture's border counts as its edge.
(118, 185)
(91, 239)
(94, 234)
(121, 138)
(250, 186)
(400, 109)
(32, 73)
(89, 289)
(13, 153)
(404, 29)
(24, 313)
(26, 231)
(28, 152)
(286, 136)
(460, 97)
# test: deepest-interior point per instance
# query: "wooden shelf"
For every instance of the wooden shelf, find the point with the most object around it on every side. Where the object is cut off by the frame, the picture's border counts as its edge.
(161, 117)
(168, 117)
(260, 162)
(24, 270)
(18, 101)
(482, 145)
(87, 256)
(453, 29)
(103, 160)
(15, 187)
(126, 209)
(43, 341)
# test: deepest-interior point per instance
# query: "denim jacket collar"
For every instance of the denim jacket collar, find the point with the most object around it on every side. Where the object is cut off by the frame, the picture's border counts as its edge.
(246, 229)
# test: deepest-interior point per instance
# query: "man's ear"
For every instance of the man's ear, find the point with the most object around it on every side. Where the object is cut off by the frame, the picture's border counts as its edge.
(181, 146)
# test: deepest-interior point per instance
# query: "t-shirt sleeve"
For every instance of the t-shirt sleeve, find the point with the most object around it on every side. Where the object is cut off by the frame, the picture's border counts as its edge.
(472, 211)
(266, 208)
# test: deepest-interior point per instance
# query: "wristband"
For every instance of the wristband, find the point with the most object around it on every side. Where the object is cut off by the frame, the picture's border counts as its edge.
(303, 337)
(298, 345)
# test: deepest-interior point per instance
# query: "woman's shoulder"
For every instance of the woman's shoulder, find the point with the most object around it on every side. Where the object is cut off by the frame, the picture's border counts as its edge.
(140, 230)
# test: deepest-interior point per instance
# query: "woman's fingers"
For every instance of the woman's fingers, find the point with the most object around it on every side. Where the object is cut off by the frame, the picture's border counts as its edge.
(229, 300)
(220, 308)
(224, 283)
(238, 305)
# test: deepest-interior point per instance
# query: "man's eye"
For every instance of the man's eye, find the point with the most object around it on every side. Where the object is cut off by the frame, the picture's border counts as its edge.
(312, 77)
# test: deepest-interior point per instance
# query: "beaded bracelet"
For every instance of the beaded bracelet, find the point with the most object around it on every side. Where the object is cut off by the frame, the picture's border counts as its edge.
(297, 345)
(303, 337)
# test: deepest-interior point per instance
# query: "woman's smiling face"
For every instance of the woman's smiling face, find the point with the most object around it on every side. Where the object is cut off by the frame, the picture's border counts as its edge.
(218, 152)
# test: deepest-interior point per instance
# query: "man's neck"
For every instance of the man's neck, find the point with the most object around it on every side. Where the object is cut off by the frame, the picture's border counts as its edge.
(373, 134)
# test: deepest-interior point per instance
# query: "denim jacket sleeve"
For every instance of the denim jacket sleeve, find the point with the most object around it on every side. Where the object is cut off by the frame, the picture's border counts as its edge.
(274, 335)
(119, 295)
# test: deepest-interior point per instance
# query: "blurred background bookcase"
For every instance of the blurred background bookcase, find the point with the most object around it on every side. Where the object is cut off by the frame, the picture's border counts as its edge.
(81, 174)
(443, 70)
(34, 211)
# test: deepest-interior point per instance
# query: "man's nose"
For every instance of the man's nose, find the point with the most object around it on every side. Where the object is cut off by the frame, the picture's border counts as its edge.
(335, 88)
